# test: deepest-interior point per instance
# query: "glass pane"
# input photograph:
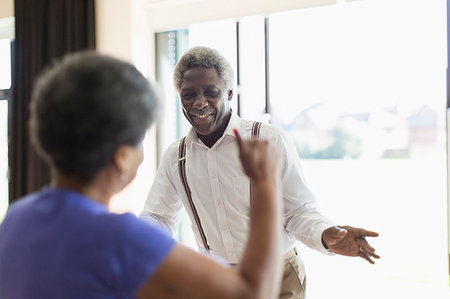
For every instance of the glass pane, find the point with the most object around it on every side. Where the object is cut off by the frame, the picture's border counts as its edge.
(169, 47)
(252, 62)
(5, 63)
(360, 87)
(220, 35)
(173, 125)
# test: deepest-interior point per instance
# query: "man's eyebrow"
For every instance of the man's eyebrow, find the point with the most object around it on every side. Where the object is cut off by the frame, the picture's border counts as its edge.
(212, 87)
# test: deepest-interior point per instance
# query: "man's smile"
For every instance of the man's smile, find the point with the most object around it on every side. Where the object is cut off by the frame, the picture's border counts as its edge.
(201, 116)
(202, 113)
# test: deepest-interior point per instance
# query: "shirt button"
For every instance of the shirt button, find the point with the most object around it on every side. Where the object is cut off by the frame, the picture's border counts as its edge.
(213, 176)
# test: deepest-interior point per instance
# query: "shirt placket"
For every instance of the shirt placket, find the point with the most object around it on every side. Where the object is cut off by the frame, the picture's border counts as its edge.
(219, 206)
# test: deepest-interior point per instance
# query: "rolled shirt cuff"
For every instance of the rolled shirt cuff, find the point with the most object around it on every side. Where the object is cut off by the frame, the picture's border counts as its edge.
(318, 239)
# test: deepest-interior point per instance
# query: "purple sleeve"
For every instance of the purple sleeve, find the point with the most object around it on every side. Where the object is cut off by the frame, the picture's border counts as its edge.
(139, 249)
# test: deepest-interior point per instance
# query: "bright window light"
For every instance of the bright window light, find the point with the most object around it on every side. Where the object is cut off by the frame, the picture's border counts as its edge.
(5, 63)
(360, 87)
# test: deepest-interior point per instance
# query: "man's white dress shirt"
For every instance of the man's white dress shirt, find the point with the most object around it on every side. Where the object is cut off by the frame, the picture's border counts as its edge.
(221, 191)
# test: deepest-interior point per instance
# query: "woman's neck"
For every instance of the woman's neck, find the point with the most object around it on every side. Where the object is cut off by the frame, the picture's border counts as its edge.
(95, 190)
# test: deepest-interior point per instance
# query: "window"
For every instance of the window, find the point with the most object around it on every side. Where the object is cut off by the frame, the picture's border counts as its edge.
(251, 68)
(5, 86)
(360, 87)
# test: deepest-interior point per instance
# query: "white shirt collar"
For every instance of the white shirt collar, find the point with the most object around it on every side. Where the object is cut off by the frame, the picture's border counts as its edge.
(234, 123)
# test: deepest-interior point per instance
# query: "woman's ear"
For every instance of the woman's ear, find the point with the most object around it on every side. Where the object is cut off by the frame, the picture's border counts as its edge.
(121, 158)
(126, 160)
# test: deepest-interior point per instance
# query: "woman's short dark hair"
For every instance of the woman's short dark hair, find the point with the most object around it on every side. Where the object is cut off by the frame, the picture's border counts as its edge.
(84, 107)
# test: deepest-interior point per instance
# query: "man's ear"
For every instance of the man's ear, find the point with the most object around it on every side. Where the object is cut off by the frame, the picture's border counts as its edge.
(230, 94)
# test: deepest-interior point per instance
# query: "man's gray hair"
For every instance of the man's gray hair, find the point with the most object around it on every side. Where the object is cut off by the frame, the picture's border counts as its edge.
(203, 57)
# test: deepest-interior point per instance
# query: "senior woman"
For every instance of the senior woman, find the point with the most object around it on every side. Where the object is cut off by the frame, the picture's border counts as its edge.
(89, 115)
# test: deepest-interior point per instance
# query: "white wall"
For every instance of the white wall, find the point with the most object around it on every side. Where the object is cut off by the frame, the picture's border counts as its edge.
(172, 14)
(126, 28)
(113, 27)
(7, 29)
(6, 8)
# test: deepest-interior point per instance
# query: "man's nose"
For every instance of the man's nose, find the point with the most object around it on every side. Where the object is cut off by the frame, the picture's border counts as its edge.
(200, 102)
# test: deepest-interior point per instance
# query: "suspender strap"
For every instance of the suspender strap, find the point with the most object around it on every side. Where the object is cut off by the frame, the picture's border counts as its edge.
(182, 171)
(255, 129)
(255, 134)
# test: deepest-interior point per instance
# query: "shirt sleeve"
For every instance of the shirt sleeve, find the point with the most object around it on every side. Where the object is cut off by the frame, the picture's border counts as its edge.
(302, 215)
(137, 251)
(163, 204)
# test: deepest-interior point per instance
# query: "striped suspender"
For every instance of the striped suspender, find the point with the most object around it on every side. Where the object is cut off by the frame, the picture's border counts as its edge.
(255, 129)
(255, 134)
(182, 170)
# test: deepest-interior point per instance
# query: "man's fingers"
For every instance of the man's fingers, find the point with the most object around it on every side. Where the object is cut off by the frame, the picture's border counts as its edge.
(360, 232)
(368, 247)
(364, 247)
(367, 255)
(375, 255)
(369, 233)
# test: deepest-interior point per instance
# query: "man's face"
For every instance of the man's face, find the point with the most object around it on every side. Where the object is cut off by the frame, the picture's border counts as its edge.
(205, 100)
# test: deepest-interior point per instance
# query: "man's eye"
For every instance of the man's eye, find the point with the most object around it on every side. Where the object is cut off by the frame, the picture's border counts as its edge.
(211, 94)
(188, 96)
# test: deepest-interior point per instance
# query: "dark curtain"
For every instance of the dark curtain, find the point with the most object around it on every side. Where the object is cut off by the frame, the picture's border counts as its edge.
(45, 30)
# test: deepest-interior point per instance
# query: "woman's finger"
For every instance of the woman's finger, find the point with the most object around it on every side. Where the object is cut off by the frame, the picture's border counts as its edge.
(238, 138)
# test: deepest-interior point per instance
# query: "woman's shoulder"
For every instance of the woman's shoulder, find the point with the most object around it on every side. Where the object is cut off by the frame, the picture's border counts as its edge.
(129, 226)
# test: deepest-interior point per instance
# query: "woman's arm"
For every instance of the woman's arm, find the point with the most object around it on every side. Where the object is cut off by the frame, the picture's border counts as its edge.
(187, 274)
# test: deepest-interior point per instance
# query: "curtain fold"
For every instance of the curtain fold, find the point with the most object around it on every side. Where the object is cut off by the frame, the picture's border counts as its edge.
(45, 30)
